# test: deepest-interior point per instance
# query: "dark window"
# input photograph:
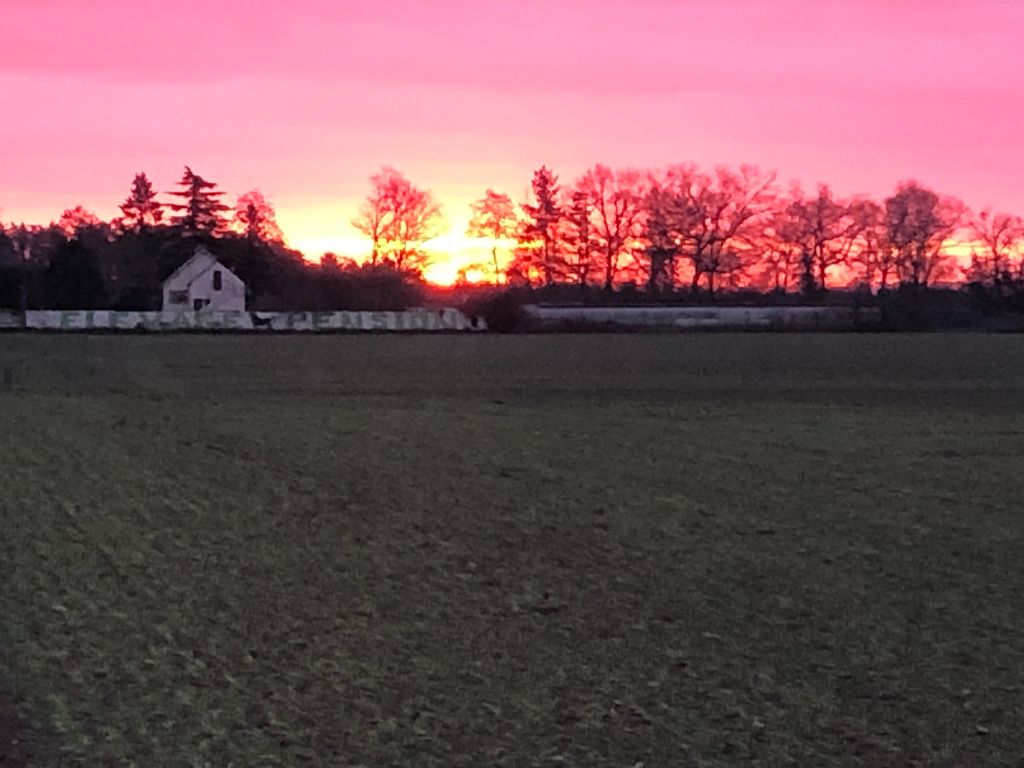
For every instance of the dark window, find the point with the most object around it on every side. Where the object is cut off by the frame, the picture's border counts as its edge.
(179, 297)
(197, 304)
(216, 280)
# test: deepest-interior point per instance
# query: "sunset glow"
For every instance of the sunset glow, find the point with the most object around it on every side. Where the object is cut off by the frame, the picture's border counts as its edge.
(305, 101)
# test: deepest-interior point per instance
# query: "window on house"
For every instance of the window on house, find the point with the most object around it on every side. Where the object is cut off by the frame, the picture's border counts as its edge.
(199, 304)
(179, 297)
(217, 284)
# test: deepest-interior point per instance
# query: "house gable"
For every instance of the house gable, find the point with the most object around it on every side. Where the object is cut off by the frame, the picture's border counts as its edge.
(203, 282)
(185, 274)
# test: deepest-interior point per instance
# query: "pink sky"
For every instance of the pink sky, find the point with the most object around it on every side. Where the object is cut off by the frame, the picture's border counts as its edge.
(306, 99)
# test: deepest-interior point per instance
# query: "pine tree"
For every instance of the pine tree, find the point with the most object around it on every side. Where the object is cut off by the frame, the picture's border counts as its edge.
(141, 210)
(579, 239)
(201, 210)
(540, 245)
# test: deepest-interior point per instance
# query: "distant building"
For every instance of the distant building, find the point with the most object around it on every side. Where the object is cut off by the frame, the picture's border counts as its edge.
(201, 283)
(704, 317)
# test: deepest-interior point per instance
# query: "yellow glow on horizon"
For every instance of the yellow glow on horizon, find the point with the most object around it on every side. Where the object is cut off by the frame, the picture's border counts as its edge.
(319, 228)
(453, 256)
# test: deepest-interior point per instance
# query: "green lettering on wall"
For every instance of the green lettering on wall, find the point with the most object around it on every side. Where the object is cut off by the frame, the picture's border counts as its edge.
(322, 320)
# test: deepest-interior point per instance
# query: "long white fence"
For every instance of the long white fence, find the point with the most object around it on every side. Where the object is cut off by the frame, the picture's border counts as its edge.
(422, 320)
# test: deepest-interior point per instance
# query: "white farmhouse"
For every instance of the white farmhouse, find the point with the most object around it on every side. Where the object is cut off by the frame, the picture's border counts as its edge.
(202, 282)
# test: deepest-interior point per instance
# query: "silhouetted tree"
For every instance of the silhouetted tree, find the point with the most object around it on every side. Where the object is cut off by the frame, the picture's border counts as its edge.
(616, 198)
(72, 279)
(580, 243)
(256, 219)
(918, 223)
(73, 220)
(719, 219)
(540, 251)
(875, 260)
(996, 258)
(823, 231)
(399, 218)
(777, 267)
(8, 253)
(141, 210)
(494, 219)
(661, 248)
(375, 214)
(201, 211)
(11, 273)
(362, 287)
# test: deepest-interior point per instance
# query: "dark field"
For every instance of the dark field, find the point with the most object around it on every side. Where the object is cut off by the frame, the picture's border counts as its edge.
(450, 551)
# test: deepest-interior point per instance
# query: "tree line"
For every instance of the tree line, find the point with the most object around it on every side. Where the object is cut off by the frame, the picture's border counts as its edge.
(697, 232)
(681, 232)
(706, 231)
(82, 262)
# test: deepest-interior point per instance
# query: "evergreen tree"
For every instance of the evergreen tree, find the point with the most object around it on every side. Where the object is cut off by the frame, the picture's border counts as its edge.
(141, 210)
(579, 239)
(11, 275)
(201, 211)
(540, 242)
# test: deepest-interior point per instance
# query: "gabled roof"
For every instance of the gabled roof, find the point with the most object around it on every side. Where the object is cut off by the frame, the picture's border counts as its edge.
(201, 253)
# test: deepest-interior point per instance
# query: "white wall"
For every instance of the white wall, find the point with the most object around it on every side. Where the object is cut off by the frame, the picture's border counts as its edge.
(230, 297)
(416, 320)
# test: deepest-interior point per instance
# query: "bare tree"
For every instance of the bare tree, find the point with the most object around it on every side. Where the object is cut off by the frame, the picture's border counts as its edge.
(824, 232)
(374, 214)
(399, 218)
(616, 198)
(999, 244)
(874, 259)
(719, 218)
(661, 239)
(256, 219)
(918, 223)
(777, 267)
(494, 219)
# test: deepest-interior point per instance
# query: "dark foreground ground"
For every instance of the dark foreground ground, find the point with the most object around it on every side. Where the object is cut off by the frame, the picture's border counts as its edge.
(442, 551)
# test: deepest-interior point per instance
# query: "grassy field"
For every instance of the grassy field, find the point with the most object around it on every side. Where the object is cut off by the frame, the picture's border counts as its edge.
(451, 551)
